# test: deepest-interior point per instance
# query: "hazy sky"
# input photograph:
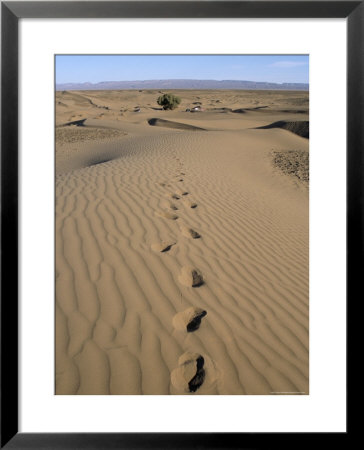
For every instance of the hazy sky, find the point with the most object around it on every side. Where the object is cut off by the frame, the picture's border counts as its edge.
(96, 68)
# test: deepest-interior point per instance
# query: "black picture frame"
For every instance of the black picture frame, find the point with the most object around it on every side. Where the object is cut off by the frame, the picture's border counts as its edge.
(11, 12)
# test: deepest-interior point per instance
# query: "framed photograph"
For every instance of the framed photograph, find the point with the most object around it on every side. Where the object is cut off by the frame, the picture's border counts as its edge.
(181, 221)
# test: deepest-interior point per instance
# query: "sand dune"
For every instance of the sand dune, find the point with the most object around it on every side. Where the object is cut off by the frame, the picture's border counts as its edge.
(301, 128)
(170, 124)
(182, 259)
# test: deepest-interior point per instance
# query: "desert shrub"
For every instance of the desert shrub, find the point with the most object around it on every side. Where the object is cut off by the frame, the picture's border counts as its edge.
(168, 101)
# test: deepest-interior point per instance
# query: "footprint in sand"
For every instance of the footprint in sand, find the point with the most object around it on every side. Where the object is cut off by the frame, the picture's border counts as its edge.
(169, 205)
(190, 277)
(162, 246)
(195, 372)
(189, 320)
(181, 192)
(189, 232)
(189, 203)
(174, 196)
(166, 215)
(190, 373)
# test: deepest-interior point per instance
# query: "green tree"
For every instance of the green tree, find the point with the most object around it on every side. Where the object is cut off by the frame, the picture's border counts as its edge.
(169, 101)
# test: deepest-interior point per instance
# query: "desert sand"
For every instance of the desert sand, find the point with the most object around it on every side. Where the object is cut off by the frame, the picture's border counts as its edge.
(182, 243)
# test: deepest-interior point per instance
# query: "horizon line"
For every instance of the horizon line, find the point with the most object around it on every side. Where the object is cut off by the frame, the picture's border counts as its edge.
(180, 79)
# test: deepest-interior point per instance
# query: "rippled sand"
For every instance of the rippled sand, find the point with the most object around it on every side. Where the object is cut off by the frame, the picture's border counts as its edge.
(181, 254)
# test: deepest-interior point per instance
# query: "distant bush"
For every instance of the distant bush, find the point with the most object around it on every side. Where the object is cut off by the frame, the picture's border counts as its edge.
(169, 101)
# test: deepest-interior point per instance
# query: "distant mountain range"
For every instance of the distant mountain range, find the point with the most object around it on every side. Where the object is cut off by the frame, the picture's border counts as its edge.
(180, 84)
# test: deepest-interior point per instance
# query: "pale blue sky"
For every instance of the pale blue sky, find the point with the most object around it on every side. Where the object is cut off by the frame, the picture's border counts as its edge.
(96, 68)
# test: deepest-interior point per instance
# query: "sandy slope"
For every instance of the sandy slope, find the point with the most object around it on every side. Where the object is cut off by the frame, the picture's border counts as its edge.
(126, 209)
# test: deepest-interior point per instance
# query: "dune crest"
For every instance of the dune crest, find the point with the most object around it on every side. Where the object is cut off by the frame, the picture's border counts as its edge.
(170, 124)
(301, 128)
